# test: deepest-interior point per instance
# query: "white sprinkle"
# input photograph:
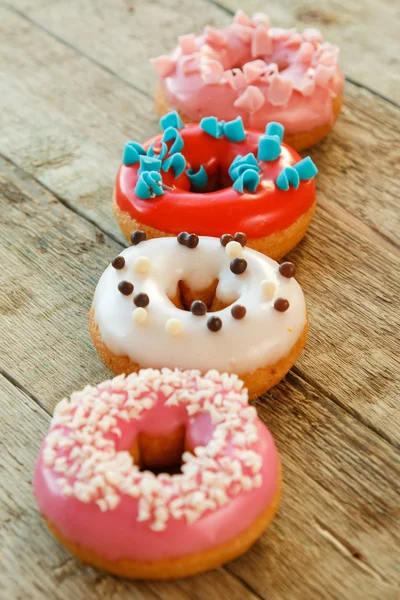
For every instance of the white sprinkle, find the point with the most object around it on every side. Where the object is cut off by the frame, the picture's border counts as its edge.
(142, 265)
(234, 250)
(139, 315)
(268, 288)
(173, 327)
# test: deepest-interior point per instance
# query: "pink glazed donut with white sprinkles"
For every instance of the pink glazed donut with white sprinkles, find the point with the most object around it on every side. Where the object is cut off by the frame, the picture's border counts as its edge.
(255, 71)
(98, 497)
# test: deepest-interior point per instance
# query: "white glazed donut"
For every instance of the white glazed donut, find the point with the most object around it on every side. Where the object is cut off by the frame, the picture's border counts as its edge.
(135, 323)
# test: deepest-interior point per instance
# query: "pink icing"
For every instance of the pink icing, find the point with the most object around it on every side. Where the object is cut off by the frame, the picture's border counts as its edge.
(260, 73)
(87, 485)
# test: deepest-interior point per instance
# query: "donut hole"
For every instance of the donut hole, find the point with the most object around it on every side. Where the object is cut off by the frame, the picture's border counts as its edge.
(218, 179)
(185, 296)
(161, 453)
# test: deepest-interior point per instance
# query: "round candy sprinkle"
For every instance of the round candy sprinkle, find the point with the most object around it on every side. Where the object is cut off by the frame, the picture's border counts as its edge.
(142, 264)
(125, 287)
(192, 240)
(198, 308)
(268, 288)
(118, 262)
(182, 237)
(173, 327)
(225, 239)
(287, 269)
(214, 323)
(234, 250)
(137, 237)
(238, 266)
(281, 304)
(241, 238)
(238, 311)
(139, 315)
(141, 300)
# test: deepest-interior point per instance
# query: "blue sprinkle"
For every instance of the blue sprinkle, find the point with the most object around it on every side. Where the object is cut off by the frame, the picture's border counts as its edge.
(274, 128)
(132, 152)
(249, 180)
(161, 154)
(234, 130)
(249, 161)
(177, 162)
(212, 126)
(171, 119)
(292, 177)
(149, 163)
(269, 147)
(282, 181)
(149, 185)
(171, 133)
(306, 168)
(199, 179)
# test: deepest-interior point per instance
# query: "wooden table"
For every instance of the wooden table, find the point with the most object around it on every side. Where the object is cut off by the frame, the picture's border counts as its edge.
(75, 85)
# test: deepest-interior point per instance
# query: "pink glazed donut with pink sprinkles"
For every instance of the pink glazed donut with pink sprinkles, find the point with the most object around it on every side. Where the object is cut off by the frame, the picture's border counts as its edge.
(99, 498)
(255, 71)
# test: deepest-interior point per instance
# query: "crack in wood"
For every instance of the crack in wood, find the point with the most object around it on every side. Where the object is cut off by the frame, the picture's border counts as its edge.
(349, 550)
(24, 390)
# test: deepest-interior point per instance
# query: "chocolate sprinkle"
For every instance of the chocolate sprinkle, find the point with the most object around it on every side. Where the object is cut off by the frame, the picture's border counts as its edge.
(214, 323)
(118, 262)
(287, 269)
(125, 287)
(238, 311)
(190, 240)
(198, 308)
(238, 266)
(182, 238)
(141, 300)
(281, 304)
(225, 239)
(137, 237)
(241, 238)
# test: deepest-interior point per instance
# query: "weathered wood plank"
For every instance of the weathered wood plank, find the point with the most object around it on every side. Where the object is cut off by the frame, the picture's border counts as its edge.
(339, 514)
(78, 159)
(33, 565)
(365, 30)
(123, 34)
(348, 280)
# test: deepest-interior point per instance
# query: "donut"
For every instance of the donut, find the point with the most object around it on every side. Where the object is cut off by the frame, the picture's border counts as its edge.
(199, 303)
(260, 73)
(95, 489)
(215, 176)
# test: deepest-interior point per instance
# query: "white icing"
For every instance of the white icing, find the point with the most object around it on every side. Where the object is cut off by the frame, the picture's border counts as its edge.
(262, 337)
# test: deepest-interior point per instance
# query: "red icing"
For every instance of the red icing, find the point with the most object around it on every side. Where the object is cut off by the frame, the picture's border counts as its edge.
(257, 214)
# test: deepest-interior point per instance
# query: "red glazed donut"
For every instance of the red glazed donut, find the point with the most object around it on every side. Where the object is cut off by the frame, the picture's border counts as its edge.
(274, 216)
(98, 500)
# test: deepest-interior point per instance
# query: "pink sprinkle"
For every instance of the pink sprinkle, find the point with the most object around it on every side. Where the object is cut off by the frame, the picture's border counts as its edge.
(305, 52)
(187, 43)
(242, 19)
(211, 71)
(251, 100)
(261, 43)
(279, 90)
(215, 37)
(164, 65)
(253, 70)
(235, 78)
(323, 75)
(312, 35)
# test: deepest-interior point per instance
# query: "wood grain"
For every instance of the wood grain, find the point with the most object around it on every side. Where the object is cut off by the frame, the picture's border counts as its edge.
(78, 159)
